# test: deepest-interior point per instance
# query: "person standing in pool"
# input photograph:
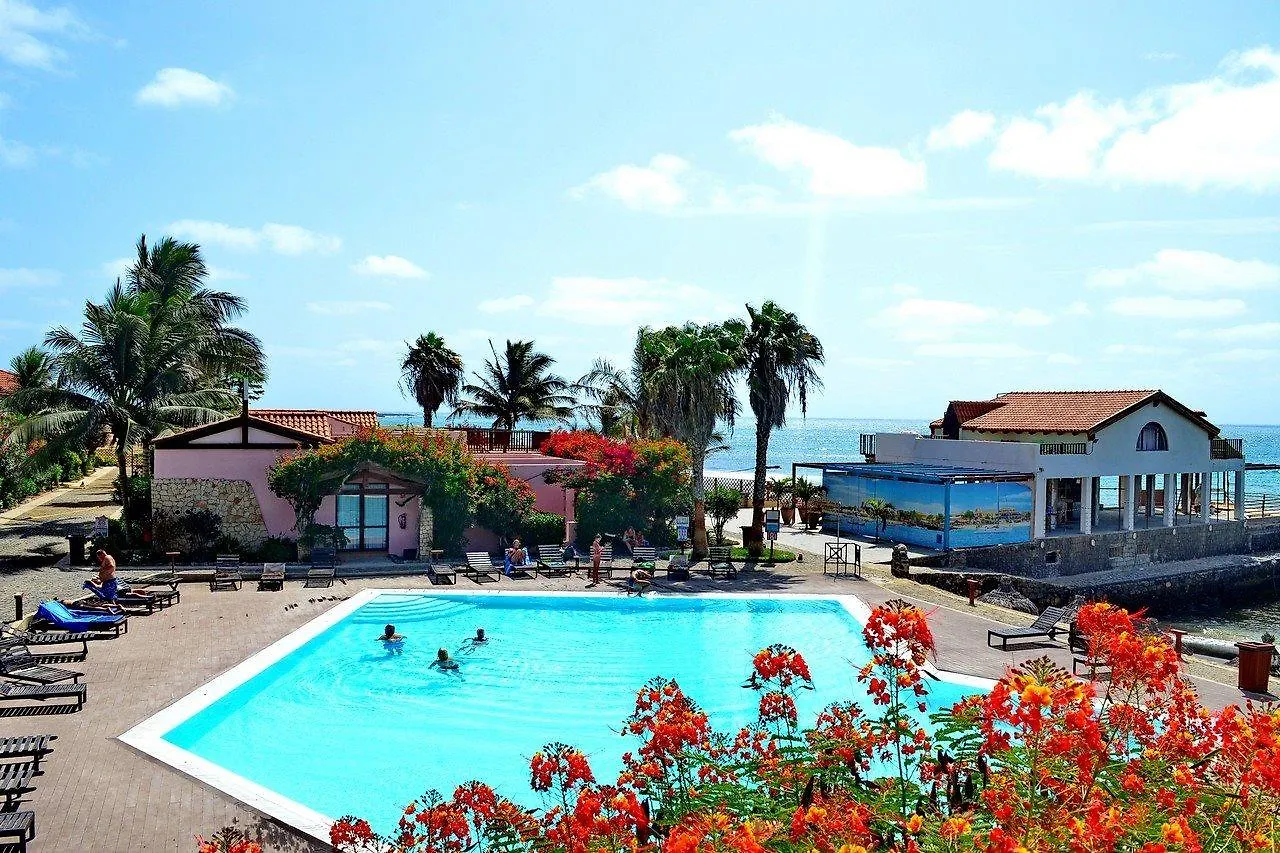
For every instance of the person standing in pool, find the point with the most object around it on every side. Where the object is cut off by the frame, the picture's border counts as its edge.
(443, 662)
(391, 641)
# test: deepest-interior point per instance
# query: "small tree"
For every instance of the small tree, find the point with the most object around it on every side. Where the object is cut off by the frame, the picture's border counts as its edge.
(723, 504)
(881, 510)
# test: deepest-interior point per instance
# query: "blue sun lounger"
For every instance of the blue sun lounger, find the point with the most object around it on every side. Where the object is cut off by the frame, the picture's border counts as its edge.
(59, 615)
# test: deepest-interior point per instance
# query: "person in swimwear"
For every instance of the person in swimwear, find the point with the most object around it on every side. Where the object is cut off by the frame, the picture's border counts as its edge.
(473, 643)
(641, 581)
(107, 588)
(393, 642)
(443, 662)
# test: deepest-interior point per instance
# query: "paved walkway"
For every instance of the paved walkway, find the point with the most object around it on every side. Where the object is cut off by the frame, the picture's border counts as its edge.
(33, 537)
(98, 794)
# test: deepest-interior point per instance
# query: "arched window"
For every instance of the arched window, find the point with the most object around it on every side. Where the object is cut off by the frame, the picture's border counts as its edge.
(1152, 437)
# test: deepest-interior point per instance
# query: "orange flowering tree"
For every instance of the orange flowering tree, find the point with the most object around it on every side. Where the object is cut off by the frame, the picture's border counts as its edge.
(1044, 762)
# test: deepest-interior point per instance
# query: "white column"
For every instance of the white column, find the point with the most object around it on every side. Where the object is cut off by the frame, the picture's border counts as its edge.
(1239, 495)
(1086, 504)
(1052, 505)
(1206, 496)
(1170, 499)
(1128, 488)
(1038, 508)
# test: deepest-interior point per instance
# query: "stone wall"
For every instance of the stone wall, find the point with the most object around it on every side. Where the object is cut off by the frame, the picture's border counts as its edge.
(233, 501)
(426, 532)
(1071, 555)
(1264, 536)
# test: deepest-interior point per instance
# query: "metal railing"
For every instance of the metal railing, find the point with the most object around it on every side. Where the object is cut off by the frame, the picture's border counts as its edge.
(481, 440)
(1226, 448)
(1064, 448)
(867, 444)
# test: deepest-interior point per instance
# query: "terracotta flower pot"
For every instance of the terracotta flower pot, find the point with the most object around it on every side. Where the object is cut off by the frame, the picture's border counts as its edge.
(788, 515)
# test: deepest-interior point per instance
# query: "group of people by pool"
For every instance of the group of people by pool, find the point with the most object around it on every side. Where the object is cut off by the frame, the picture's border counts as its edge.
(517, 557)
(394, 644)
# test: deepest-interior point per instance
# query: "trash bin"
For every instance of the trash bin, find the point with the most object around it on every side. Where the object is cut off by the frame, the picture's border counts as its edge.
(1254, 667)
(76, 543)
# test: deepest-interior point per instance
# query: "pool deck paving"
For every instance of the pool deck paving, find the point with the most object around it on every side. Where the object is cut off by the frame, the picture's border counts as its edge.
(96, 793)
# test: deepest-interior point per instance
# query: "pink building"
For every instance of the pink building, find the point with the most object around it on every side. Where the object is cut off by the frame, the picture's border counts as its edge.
(223, 467)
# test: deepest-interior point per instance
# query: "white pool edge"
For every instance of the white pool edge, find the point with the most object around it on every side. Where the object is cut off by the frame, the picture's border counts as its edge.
(148, 736)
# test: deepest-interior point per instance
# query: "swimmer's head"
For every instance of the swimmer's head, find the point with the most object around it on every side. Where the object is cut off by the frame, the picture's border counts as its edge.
(442, 655)
(479, 633)
(389, 631)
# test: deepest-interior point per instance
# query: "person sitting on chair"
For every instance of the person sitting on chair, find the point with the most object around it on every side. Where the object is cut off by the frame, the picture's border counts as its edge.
(107, 588)
(517, 556)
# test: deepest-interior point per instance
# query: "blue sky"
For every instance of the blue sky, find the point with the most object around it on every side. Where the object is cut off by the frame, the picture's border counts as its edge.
(959, 201)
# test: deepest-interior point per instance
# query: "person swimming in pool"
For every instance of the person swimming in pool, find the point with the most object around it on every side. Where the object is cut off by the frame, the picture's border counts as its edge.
(473, 643)
(391, 641)
(443, 662)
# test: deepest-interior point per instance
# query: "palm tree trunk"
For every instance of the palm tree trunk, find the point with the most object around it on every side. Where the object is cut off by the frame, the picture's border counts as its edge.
(698, 521)
(126, 492)
(763, 428)
(426, 417)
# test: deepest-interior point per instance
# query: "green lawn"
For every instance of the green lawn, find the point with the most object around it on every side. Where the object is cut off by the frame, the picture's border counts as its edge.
(780, 555)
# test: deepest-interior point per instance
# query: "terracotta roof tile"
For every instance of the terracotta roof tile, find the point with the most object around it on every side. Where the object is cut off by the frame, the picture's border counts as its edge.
(967, 410)
(318, 421)
(1053, 411)
(8, 382)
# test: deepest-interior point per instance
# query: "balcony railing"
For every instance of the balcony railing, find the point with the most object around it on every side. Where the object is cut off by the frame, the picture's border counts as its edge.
(486, 440)
(867, 444)
(1064, 448)
(1226, 448)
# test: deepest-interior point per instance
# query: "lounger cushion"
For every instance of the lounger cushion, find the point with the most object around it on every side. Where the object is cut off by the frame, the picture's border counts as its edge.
(75, 620)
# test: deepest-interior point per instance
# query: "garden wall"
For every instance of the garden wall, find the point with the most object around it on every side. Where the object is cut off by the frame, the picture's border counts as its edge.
(233, 501)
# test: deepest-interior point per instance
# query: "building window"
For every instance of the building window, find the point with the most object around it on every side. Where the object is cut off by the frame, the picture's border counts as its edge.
(1152, 437)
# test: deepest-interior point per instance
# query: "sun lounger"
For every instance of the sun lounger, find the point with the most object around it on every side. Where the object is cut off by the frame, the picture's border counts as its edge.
(551, 561)
(10, 692)
(323, 557)
(49, 638)
(225, 579)
(18, 826)
(644, 557)
(321, 576)
(9, 644)
(720, 561)
(442, 574)
(480, 568)
(169, 579)
(34, 747)
(15, 780)
(524, 571)
(137, 602)
(1046, 625)
(60, 616)
(18, 662)
(272, 576)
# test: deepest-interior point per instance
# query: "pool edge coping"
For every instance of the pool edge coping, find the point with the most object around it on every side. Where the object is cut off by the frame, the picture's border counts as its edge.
(147, 736)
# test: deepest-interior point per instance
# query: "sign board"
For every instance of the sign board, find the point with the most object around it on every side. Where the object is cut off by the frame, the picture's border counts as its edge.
(101, 527)
(682, 528)
(772, 523)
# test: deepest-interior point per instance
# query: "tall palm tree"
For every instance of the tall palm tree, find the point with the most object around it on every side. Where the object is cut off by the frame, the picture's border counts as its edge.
(36, 377)
(517, 385)
(158, 353)
(612, 397)
(432, 373)
(687, 387)
(781, 358)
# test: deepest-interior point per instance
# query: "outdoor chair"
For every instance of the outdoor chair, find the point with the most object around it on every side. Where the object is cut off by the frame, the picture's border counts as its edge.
(551, 561)
(49, 638)
(442, 574)
(644, 557)
(227, 561)
(322, 576)
(10, 644)
(133, 602)
(272, 577)
(18, 826)
(720, 562)
(324, 557)
(523, 572)
(10, 692)
(1046, 625)
(18, 663)
(225, 579)
(33, 747)
(480, 567)
(15, 780)
(144, 583)
(60, 616)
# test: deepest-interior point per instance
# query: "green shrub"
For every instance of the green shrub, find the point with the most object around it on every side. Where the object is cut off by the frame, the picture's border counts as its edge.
(276, 549)
(723, 504)
(542, 528)
(203, 529)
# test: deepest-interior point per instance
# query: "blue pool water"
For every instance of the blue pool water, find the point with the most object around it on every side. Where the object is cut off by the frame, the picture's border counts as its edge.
(342, 726)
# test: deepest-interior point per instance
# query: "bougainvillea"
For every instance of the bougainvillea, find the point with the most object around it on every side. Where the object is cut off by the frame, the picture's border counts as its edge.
(1044, 762)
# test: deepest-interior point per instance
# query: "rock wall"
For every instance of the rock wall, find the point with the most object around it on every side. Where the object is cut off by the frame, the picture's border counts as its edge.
(233, 501)
(426, 532)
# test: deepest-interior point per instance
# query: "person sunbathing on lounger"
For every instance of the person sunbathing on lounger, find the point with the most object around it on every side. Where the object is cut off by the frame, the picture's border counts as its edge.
(443, 662)
(391, 641)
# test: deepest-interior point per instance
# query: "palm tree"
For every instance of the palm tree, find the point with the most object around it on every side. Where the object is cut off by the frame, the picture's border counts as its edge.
(687, 387)
(517, 385)
(881, 510)
(612, 397)
(431, 373)
(781, 356)
(36, 378)
(157, 354)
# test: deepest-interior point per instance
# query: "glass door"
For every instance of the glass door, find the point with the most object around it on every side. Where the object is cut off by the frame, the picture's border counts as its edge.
(363, 513)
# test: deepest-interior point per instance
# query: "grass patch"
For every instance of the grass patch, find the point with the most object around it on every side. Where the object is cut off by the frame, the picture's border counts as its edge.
(780, 555)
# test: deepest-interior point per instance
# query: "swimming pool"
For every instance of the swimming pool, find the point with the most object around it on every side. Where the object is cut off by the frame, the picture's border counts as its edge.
(328, 721)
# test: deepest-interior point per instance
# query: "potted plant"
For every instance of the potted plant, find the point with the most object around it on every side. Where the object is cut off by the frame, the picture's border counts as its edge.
(812, 501)
(780, 492)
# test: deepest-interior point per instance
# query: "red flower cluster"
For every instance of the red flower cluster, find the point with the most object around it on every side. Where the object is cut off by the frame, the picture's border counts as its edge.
(601, 454)
(559, 766)
(783, 666)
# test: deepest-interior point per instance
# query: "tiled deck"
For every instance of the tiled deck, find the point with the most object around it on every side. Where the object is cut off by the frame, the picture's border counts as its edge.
(98, 794)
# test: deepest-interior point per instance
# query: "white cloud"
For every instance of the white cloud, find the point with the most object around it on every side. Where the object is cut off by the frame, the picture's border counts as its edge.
(1220, 132)
(24, 33)
(282, 239)
(829, 165)
(1137, 350)
(1029, 317)
(655, 187)
(177, 87)
(926, 319)
(1063, 358)
(224, 274)
(1243, 354)
(27, 277)
(15, 154)
(1159, 56)
(1078, 309)
(345, 309)
(975, 350)
(389, 266)
(1191, 272)
(871, 362)
(964, 130)
(116, 268)
(1062, 141)
(627, 302)
(505, 304)
(1171, 308)
(1233, 334)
